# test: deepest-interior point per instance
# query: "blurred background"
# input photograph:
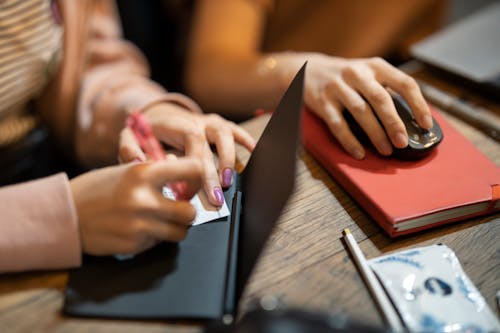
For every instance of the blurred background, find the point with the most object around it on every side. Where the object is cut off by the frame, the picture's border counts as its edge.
(357, 28)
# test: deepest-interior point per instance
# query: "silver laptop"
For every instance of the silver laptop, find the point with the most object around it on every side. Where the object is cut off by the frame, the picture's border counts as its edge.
(469, 48)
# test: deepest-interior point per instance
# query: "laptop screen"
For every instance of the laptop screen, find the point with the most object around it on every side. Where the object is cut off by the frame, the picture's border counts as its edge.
(268, 178)
(469, 48)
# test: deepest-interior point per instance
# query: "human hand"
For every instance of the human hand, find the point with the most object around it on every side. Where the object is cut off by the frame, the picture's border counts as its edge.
(121, 209)
(193, 133)
(360, 86)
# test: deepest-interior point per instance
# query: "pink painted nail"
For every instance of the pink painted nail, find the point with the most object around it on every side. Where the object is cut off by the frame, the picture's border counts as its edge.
(227, 177)
(218, 195)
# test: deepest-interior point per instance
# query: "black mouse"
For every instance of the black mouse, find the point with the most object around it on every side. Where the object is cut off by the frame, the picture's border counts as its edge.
(420, 141)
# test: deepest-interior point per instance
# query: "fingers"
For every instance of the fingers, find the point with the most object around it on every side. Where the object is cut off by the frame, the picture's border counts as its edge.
(160, 219)
(331, 114)
(197, 146)
(183, 190)
(381, 103)
(224, 134)
(162, 231)
(407, 87)
(377, 96)
(179, 212)
(194, 133)
(168, 171)
(226, 153)
(361, 87)
(355, 104)
(123, 216)
(242, 137)
(129, 149)
(145, 232)
(223, 139)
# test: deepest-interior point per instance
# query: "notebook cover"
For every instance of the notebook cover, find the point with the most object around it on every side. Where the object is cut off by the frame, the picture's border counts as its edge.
(456, 181)
(154, 284)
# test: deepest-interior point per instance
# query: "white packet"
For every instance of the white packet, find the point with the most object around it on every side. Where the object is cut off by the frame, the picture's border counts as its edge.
(432, 293)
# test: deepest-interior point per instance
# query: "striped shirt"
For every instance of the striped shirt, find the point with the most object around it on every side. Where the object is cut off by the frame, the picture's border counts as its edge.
(30, 44)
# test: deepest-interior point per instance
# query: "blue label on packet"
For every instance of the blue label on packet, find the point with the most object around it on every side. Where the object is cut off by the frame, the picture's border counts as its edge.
(401, 259)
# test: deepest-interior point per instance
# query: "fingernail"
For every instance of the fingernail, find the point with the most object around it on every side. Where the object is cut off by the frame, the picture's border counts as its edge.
(427, 120)
(358, 154)
(136, 160)
(218, 195)
(227, 177)
(385, 148)
(400, 140)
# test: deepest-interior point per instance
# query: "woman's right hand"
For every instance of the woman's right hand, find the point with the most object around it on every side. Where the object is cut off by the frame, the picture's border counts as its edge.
(121, 209)
(359, 86)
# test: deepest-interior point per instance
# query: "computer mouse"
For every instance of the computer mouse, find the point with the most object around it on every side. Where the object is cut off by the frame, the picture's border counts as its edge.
(420, 141)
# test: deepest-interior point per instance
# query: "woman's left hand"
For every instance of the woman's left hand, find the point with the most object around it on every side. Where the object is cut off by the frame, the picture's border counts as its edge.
(360, 86)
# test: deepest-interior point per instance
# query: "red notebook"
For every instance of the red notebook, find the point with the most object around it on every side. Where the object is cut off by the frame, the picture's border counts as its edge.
(456, 181)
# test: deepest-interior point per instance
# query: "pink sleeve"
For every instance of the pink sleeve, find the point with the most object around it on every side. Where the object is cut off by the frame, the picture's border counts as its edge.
(38, 228)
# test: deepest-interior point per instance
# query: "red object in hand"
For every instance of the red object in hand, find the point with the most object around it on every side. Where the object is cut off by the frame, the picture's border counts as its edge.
(144, 135)
(151, 146)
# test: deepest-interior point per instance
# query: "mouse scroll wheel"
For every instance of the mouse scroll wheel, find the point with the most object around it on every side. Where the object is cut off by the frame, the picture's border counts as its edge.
(425, 132)
(422, 131)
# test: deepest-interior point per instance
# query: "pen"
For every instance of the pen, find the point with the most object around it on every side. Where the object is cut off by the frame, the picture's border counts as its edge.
(151, 146)
(476, 116)
(391, 317)
(144, 135)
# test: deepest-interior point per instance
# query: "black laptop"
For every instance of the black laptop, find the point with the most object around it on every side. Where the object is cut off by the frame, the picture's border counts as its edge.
(202, 277)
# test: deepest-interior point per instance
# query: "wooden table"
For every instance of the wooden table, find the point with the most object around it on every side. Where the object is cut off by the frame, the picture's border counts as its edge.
(305, 263)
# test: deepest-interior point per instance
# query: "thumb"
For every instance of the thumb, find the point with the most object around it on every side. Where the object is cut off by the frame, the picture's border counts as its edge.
(185, 172)
(129, 149)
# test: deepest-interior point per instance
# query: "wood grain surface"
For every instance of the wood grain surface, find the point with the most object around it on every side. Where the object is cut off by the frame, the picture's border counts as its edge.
(305, 264)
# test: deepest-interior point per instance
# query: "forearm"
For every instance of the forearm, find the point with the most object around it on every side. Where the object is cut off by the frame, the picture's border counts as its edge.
(226, 71)
(115, 82)
(103, 110)
(102, 119)
(236, 86)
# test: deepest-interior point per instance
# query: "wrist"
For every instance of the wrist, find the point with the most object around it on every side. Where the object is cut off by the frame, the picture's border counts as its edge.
(174, 101)
(282, 66)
